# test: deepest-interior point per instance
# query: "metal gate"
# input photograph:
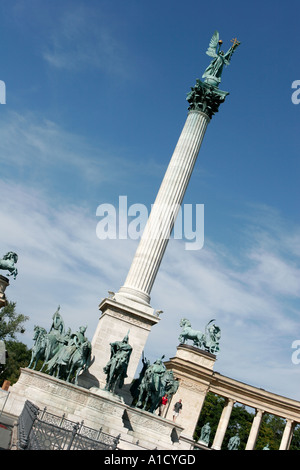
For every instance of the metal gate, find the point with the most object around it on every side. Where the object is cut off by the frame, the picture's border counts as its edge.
(40, 430)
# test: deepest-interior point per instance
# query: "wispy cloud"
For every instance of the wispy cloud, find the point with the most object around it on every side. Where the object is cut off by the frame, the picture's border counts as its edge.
(82, 38)
(61, 261)
(253, 292)
(48, 156)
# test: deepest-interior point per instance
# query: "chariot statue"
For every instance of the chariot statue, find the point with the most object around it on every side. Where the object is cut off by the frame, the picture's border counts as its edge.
(208, 341)
(7, 263)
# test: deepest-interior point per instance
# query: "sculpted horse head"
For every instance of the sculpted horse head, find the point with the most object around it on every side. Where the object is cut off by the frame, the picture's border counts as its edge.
(185, 322)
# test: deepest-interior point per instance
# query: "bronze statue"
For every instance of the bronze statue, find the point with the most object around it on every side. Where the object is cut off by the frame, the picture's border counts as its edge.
(116, 368)
(214, 71)
(8, 262)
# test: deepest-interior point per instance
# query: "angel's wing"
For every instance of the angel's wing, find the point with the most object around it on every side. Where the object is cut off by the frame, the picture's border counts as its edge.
(212, 48)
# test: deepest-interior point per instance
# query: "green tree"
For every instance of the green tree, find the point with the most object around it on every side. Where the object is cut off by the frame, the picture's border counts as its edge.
(11, 322)
(240, 422)
(18, 355)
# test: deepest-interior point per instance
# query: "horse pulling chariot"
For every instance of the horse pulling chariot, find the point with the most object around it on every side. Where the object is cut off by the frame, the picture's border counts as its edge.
(208, 341)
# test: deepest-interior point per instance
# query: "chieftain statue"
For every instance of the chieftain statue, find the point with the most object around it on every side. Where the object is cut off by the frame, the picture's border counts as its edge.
(206, 96)
(116, 368)
(155, 383)
(64, 354)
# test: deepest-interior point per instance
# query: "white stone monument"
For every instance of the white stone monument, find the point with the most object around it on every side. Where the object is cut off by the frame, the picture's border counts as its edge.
(129, 312)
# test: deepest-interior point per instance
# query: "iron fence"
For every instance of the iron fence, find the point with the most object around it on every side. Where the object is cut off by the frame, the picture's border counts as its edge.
(40, 430)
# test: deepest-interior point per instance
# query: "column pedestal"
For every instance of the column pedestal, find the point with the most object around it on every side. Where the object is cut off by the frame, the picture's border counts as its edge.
(120, 317)
(194, 369)
(4, 282)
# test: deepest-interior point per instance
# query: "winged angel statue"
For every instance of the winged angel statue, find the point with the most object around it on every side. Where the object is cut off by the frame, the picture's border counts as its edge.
(213, 72)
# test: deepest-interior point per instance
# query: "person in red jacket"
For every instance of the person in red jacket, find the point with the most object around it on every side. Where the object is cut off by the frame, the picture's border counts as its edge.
(163, 405)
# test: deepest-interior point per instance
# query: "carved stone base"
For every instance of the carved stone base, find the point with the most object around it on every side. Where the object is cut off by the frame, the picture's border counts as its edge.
(99, 409)
(119, 317)
(194, 369)
(4, 282)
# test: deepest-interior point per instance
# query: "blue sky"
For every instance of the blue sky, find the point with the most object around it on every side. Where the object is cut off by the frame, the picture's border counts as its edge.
(95, 103)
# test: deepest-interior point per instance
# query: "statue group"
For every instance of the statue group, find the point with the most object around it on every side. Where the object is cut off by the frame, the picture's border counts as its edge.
(154, 382)
(208, 341)
(64, 354)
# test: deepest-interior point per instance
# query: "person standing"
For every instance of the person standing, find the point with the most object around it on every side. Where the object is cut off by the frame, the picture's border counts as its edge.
(163, 405)
(177, 409)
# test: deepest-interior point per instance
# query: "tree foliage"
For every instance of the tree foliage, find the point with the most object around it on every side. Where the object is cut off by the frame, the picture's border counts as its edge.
(18, 355)
(11, 322)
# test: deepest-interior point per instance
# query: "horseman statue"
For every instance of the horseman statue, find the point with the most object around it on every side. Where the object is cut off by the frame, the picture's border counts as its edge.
(208, 341)
(7, 263)
(64, 354)
(72, 358)
(116, 368)
(156, 382)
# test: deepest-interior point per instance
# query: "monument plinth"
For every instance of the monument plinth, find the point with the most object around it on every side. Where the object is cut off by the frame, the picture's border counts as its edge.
(120, 316)
(4, 282)
(193, 368)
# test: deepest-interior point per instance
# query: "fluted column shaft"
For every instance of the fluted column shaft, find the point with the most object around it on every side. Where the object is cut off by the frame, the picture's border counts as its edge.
(252, 438)
(154, 240)
(222, 426)
(287, 435)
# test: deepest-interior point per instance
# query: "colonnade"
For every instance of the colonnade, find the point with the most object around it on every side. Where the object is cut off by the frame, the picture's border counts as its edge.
(252, 438)
(194, 370)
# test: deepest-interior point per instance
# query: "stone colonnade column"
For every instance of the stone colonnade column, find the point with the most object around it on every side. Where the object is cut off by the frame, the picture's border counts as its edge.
(287, 435)
(223, 423)
(254, 430)
(154, 240)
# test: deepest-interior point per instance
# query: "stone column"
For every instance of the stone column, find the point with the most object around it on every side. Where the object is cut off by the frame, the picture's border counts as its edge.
(287, 435)
(254, 430)
(154, 240)
(223, 423)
